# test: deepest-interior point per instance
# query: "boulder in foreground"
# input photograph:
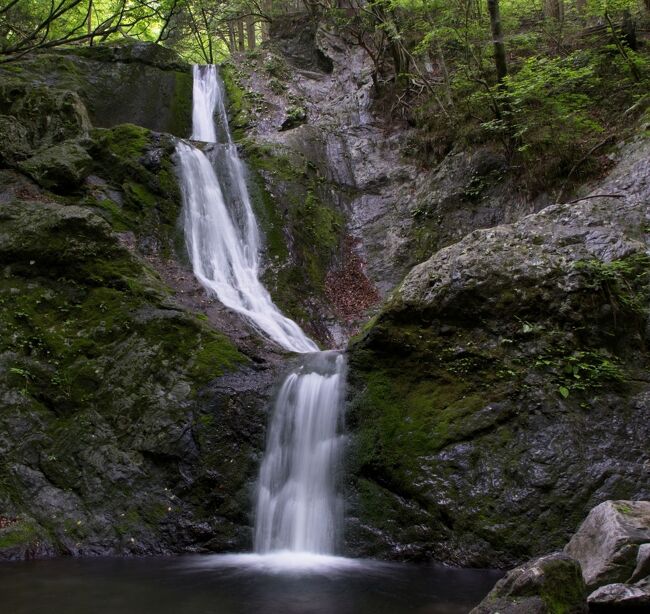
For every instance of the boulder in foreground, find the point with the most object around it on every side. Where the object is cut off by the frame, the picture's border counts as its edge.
(607, 543)
(545, 585)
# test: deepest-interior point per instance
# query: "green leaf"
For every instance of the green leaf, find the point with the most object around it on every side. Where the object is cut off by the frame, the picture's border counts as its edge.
(564, 391)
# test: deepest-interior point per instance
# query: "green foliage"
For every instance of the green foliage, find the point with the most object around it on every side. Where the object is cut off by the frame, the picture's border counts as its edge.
(547, 104)
(580, 370)
(624, 282)
(570, 79)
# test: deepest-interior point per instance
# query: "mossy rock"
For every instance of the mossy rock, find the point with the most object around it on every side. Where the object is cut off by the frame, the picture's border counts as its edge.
(499, 394)
(153, 85)
(49, 115)
(15, 141)
(551, 584)
(60, 168)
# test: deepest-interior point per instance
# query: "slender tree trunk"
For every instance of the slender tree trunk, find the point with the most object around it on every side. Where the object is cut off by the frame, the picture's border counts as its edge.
(90, 23)
(497, 40)
(250, 32)
(231, 37)
(267, 9)
(240, 35)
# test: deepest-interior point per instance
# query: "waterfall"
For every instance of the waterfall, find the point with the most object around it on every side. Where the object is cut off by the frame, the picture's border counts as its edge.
(298, 509)
(220, 227)
(297, 504)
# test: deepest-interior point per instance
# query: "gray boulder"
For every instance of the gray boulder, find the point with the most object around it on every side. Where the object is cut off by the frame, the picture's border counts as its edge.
(607, 544)
(551, 583)
(619, 598)
(642, 569)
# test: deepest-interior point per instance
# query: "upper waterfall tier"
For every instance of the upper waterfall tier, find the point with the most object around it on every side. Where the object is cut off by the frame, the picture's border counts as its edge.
(220, 226)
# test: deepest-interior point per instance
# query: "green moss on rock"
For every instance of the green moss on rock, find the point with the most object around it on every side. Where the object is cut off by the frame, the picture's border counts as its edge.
(60, 168)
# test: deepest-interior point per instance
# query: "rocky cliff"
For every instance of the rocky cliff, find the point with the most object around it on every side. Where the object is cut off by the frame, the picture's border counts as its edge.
(503, 389)
(497, 395)
(306, 113)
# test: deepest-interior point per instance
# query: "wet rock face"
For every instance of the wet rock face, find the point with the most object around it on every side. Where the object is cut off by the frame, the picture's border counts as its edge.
(126, 425)
(546, 585)
(502, 392)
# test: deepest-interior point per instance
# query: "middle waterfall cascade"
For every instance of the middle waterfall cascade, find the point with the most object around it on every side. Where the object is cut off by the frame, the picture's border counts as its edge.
(223, 240)
(297, 504)
(298, 511)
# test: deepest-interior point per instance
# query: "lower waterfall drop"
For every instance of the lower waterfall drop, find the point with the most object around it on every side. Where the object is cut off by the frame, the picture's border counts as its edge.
(298, 508)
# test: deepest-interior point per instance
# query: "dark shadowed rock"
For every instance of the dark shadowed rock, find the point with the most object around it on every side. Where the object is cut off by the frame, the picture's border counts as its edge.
(117, 432)
(139, 83)
(14, 145)
(502, 392)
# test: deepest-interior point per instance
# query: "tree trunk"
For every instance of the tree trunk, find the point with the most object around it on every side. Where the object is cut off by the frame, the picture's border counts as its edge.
(250, 32)
(267, 9)
(240, 35)
(90, 23)
(231, 37)
(554, 9)
(497, 40)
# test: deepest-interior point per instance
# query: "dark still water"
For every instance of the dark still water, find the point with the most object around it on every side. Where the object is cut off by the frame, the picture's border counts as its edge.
(237, 584)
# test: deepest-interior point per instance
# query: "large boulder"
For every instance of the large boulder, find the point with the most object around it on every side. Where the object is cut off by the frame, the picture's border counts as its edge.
(607, 544)
(550, 584)
(140, 83)
(502, 391)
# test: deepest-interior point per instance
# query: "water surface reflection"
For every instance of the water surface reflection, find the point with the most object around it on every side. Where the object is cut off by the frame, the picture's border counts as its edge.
(237, 584)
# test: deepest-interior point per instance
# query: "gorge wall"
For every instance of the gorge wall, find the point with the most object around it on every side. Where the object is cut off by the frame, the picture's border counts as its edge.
(495, 396)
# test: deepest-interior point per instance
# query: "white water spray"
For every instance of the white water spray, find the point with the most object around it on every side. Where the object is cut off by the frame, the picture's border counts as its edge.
(220, 227)
(297, 504)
